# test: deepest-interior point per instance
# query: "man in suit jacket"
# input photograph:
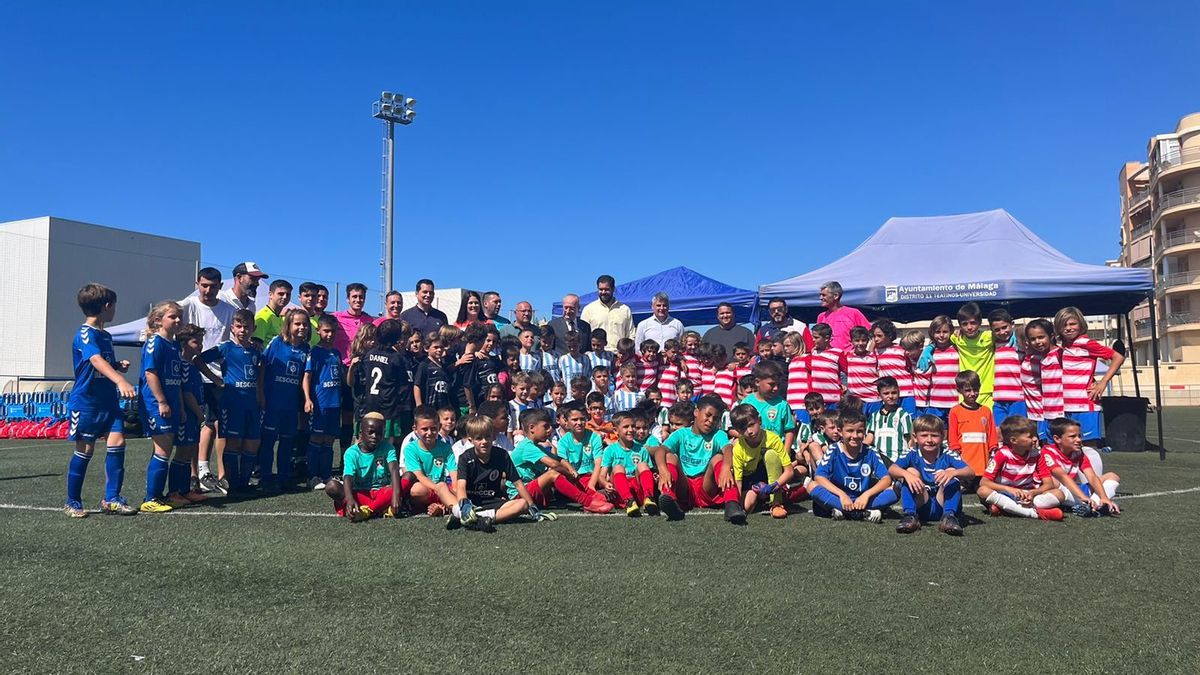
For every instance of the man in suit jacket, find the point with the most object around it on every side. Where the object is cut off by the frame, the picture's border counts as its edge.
(570, 322)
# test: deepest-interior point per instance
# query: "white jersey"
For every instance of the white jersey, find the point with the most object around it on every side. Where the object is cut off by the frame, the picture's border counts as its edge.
(214, 320)
(226, 295)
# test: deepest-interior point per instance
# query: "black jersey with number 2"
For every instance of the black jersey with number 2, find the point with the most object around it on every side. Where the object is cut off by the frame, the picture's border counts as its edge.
(385, 373)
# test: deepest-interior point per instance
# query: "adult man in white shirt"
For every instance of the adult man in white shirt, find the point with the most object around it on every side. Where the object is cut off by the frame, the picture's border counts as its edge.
(609, 313)
(659, 326)
(245, 286)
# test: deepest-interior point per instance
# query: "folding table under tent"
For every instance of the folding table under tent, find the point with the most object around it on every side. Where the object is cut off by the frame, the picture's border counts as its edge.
(916, 268)
(694, 297)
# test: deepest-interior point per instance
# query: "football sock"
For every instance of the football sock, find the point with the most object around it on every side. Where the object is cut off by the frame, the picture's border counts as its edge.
(952, 498)
(1047, 500)
(247, 468)
(1009, 505)
(327, 461)
(824, 501)
(202, 467)
(570, 490)
(673, 471)
(621, 484)
(232, 462)
(884, 500)
(908, 501)
(76, 471)
(114, 472)
(266, 455)
(406, 483)
(313, 457)
(1110, 488)
(730, 494)
(646, 480)
(283, 460)
(179, 477)
(156, 476)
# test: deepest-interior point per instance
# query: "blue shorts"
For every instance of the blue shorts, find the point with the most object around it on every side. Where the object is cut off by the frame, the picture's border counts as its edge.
(872, 407)
(188, 433)
(282, 423)
(1089, 424)
(909, 404)
(240, 418)
(326, 421)
(1005, 409)
(802, 415)
(940, 413)
(155, 424)
(88, 425)
(1043, 431)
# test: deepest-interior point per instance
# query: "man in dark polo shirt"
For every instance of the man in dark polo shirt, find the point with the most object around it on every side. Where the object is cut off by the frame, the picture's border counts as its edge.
(424, 317)
(727, 333)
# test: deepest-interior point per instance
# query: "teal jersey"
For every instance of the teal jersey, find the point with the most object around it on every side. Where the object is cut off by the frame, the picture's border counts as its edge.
(627, 457)
(581, 454)
(368, 470)
(694, 450)
(436, 464)
(527, 457)
(776, 415)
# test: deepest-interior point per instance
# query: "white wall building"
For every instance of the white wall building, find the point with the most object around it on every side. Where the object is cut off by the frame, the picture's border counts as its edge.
(43, 263)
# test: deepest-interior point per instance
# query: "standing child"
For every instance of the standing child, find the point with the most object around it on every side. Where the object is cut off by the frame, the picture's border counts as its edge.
(549, 355)
(483, 369)
(161, 399)
(799, 386)
(972, 429)
(690, 359)
(386, 371)
(242, 401)
(893, 362)
(690, 464)
(861, 369)
(672, 370)
(431, 379)
(931, 480)
(356, 371)
(762, 466)
(529, 357)
(975, 351)
(574, 363)
(370, 483)
(1011, 481)
(180, 489)
(626, 465)
(852, 481)
(942, 358)
(1041, 376)
(889, 429)
(913, 344)
(746, 387)
(1007, 396)
(1079, 356)
(824, 375)
(95, 404)
(522, 401)
(649, 365)
(599, 355)
(284, 363)
(1078, 485)
(323, 401)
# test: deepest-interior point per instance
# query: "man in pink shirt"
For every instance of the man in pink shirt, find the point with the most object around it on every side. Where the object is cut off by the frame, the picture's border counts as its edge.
(350, 320)
(840, 319)
(393, 304)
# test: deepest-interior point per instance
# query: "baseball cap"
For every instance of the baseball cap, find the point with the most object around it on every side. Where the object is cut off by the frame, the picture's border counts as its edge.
(249, 267)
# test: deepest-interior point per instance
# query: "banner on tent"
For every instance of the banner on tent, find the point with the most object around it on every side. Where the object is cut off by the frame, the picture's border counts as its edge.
(970, 290)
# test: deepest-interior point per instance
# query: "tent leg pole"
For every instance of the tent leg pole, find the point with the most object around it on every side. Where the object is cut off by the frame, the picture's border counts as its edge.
(1162, 451)
(1137, 388)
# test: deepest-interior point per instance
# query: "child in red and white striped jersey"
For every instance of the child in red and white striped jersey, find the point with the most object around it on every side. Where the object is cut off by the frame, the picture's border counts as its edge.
(1077, 484)
(712, 359)
(1079, 356)
(1041, 376)
(944, 367)
(742, 363)
(671, 372)
(1007, 397)
(723, 383)
(861, 369)
(823, 366)
(1012, 479)
(798, 385)
(893, 362)
(648, 365)
(690, 359)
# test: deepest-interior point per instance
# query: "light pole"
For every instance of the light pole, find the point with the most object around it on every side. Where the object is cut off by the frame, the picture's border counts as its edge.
(392, 109)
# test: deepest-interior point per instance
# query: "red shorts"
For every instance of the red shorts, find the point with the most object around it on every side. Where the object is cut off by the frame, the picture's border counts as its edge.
(378, 499)
(691, 492)
(535, 490)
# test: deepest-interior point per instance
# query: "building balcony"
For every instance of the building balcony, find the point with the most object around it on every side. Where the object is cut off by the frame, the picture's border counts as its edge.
(1138, 201)
(1177, 239)
(1178, 281)
(1171, 164)
(1142, 328)
(1178, 200)
(1182, 321)
(1139, 232)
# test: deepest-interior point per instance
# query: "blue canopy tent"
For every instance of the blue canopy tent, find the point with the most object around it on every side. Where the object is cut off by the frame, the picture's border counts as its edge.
(916, 268)
(694, 297)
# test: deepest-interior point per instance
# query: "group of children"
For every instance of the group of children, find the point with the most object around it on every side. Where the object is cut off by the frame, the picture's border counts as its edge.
(461, 424)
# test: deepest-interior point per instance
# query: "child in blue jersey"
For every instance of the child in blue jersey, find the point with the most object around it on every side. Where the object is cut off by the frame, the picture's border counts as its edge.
(598, 355)
(930, 479)
(851, 480)
(522, 400)
(242, 401)
(322, 402)
(180, 489)
(627, 464)
(284, 363)
(95, 405)
(430, 468)
(161, 399)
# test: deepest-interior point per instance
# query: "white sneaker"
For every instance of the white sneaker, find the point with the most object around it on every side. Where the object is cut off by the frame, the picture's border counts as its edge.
(837, 515)
(318, 486)
(875, 516)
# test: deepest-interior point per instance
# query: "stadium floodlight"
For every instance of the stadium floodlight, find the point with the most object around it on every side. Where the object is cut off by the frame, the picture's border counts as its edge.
(392, 109)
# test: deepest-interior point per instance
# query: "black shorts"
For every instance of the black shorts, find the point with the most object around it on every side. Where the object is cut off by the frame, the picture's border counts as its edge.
(759, 475)
(212, 404)
(347, 398)
(485, 503)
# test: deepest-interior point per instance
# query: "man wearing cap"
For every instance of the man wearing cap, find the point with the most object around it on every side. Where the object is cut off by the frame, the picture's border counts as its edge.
(245, 286)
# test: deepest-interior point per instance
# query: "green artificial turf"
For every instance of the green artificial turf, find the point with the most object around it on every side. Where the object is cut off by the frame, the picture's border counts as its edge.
(228, 587)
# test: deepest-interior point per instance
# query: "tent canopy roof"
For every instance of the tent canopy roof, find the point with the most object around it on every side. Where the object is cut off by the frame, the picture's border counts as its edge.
(694, 297)
(914, 268)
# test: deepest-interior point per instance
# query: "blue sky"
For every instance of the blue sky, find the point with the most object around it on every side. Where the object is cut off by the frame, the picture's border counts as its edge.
(557, 141)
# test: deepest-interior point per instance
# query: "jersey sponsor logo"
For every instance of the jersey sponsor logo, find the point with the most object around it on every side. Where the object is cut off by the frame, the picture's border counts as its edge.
(991, 467)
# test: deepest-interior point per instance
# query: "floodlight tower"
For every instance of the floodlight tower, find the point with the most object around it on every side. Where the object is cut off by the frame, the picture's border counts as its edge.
(393, 109)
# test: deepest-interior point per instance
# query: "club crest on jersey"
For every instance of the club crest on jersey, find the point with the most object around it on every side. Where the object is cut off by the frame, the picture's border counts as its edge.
(864, 470)
(708, 445)
(177, 368)
(249, 372)
(772, 414)
(493, 475)
(293, 368)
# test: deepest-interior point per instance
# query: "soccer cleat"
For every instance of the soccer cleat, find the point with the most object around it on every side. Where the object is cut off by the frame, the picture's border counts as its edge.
(453, 523)
(734, 513)
(365, 511)
(389, 513)
(873, 516)
(632, 509)
(176, 500)
(482, 524)
(1104, 510)
(650, 507)
(210, 483)
(598, 504)
(994, 510)
(908, 524)
(255, 479)
(74, 509)
(779, 511)
(223, 486)
(1082, 510)
(669, 506)
(117, 507)
(836, 514)
(950, 526)
(155, 506)
(195, 497)
(1050, 514)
